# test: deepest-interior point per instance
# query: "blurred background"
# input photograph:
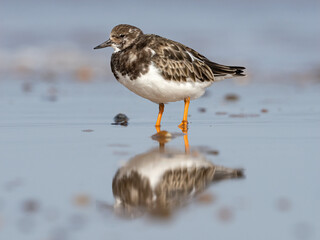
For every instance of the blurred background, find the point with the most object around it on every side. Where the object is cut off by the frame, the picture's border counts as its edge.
(48, 38)
(59, 150)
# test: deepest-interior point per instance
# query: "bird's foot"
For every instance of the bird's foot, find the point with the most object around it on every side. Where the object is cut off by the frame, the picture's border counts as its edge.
(184, 126)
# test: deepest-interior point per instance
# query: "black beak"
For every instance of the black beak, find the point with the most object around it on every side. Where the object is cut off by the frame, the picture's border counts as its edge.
(105, 44)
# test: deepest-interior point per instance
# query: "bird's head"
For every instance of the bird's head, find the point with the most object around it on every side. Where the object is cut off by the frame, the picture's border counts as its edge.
(121, 37)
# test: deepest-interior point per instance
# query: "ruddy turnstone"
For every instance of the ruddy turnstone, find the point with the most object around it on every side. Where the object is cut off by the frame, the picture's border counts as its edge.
(162, 70)
(155, 181)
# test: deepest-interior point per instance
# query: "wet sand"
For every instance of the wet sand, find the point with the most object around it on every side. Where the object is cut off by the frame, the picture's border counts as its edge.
(60, 153)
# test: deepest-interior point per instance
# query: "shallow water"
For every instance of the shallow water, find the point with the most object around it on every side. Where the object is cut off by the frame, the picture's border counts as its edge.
(59, 154)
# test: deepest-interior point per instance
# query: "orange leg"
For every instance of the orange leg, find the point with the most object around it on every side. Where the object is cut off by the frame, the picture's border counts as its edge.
(184, 124)
(186, 143)
(161, 109)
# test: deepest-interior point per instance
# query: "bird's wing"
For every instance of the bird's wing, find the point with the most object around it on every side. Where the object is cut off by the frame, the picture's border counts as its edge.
(179, 62)
(219, 70)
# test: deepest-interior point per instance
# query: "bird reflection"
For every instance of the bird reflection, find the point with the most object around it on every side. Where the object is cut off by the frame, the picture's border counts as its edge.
(162, 179)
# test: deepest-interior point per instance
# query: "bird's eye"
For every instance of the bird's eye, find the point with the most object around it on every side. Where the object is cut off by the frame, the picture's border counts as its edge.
(121, 35)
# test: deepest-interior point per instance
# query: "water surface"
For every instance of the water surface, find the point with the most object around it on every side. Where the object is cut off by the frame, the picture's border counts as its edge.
(59, 156)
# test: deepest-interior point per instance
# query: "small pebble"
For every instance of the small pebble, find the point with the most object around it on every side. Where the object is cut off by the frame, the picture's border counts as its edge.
(30, 206)
(231, 97)
(283, 204)
(264, 110)
(225, 214)
(81, 200)
(202, 109)
(206, 198)
(120, 119)
(213, 152)
(243, 115)
(84, 74)
(87, 130)
(26, 87)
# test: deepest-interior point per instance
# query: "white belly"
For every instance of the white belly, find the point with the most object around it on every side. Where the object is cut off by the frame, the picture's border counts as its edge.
(154, 87)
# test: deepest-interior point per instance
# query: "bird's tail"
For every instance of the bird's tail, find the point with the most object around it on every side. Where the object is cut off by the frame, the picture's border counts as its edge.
(226, 173)
(221, 72)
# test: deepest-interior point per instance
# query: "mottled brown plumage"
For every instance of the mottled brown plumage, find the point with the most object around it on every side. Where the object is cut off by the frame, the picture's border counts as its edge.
(135, 51)
(131, 187)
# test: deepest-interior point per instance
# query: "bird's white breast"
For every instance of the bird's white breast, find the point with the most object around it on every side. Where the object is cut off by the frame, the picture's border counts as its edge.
(153, 164)
(154, 87)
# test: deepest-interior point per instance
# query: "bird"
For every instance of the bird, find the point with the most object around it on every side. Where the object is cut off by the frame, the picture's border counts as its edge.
(162, 70)
(158, 182)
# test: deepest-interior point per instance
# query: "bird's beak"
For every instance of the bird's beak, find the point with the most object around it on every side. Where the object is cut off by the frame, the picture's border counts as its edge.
(105, 44)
